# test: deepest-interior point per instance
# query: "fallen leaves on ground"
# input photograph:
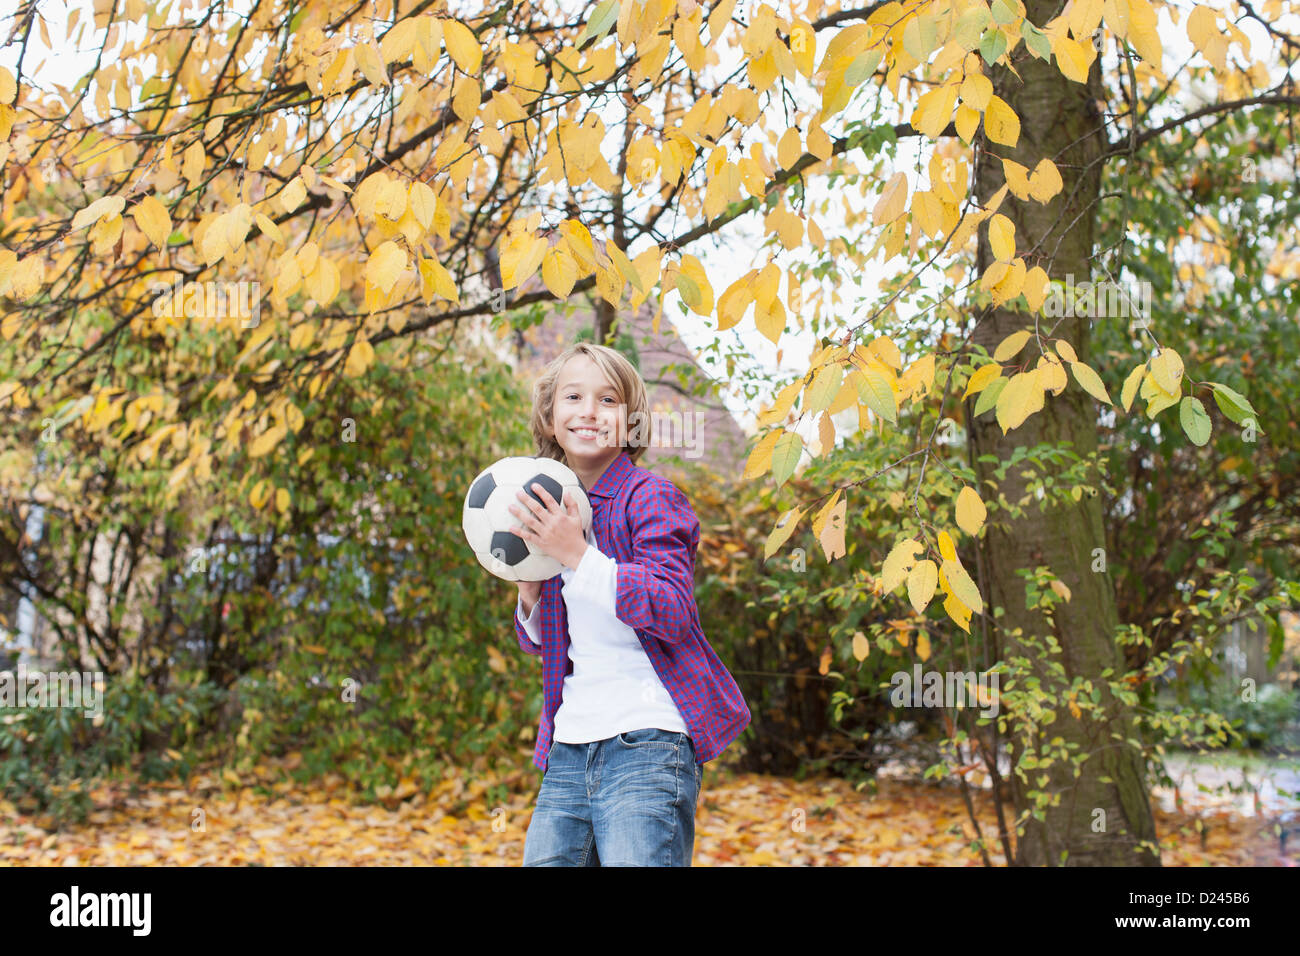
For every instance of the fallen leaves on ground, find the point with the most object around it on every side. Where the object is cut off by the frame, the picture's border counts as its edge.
(742, 819)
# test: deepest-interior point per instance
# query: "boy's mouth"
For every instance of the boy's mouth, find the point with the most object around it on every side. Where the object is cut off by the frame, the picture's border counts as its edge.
(587, 434)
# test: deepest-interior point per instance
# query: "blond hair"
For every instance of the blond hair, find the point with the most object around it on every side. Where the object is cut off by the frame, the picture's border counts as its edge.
(628, 387)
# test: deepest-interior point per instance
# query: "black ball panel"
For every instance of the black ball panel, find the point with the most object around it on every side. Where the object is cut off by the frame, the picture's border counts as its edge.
(482, 490)
(553, 488)
(508, 548)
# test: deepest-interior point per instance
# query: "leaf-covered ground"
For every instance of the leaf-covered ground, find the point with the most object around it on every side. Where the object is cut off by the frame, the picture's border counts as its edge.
(742, 819)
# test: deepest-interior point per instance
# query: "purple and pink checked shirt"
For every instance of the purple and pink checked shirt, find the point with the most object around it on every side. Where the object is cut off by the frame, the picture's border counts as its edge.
(648, 526)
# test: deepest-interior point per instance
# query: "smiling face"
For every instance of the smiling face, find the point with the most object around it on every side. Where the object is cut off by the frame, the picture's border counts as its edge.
(585, 416)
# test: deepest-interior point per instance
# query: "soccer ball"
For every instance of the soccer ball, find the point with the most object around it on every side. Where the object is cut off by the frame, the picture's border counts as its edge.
(487, 519)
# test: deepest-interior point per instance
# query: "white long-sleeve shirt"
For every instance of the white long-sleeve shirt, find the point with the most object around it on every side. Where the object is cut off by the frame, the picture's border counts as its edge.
(613, 688)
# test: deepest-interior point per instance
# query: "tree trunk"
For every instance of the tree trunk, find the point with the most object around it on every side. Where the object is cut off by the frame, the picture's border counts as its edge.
(1059, 121)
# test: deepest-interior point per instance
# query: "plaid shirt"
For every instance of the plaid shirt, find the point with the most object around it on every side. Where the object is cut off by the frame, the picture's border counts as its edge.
(648, 526)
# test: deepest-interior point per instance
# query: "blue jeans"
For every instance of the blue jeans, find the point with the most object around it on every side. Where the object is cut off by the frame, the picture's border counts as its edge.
(627, 800)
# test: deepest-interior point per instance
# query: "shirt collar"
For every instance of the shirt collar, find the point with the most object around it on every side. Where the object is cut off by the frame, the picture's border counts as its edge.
(613, 477)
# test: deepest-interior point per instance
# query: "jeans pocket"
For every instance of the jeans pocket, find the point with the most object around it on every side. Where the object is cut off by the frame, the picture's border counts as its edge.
(649, 737)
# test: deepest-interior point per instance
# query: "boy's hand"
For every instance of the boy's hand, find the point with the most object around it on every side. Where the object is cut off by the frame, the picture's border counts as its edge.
(552, 529)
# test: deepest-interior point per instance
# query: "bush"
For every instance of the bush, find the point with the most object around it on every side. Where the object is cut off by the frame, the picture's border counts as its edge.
(1265, 723)
(51, 757)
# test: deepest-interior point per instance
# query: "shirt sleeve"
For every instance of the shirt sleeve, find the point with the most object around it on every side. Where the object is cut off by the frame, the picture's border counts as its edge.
(528, 630)
(656, 589)
(594, 580)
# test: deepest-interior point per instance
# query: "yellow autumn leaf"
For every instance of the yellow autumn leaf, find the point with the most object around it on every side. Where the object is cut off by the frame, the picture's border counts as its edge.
(269, 228)
(1130, 388)
(921, 581)
(1009, 346)
(520, 259)
(385, 265)
(282, 500)
(789, 148)
(963, 588)
(397, 43)
(1035, 288)
(898, 562)
(105, 207)
(1002, 238)
(292, 195)
(360, 356)
(887, 350)
(559, 272)
(1202, 27)
(947, 547)
(861, 646)
(1090, 381)
(266, 441)
(759, 462)
(1071, 57)
(467, 98)
(892, 201)
(970, 511)
(981, 379)
(976, 89)
(1016, 403)
(1051, 374)
(700, 297)
(152, 219)
(1167, 370)
(966, 122)
(423, 203)
(1143, 32)
(1045, 181)
(193, 162)
(322, 283)
(785, 526)
(934, 109)
(370, 63)
(1017, 177)
(436, 280)
(918, 379)
(1001, 123)
(462, 45)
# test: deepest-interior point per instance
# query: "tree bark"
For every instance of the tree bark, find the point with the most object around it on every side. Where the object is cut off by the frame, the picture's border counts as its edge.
(1060, 121)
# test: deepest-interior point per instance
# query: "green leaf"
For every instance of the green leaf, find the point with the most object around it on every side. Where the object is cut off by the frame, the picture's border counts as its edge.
(1035, 40)
(863, 65)
(876, 394)
(1232, 403)
(690, 291)
(989, 396)
(785, 456)
(604, 17)
(992, 45)
(970, 25)
(1002, 11)
(824, 388)
(1195, 421)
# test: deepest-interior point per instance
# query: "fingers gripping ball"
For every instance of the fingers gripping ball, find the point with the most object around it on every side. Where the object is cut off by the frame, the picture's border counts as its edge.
(487, 520)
